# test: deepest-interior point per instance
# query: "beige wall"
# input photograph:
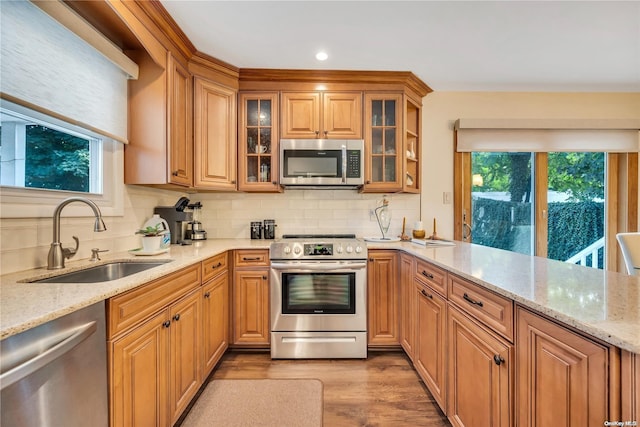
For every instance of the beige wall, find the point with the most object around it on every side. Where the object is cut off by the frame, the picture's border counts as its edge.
(442, 109)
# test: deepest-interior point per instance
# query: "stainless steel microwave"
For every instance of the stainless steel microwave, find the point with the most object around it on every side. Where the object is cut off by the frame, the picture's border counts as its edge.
(322, 162)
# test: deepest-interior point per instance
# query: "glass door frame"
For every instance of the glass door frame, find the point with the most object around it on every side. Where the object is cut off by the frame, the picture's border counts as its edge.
(621, 197)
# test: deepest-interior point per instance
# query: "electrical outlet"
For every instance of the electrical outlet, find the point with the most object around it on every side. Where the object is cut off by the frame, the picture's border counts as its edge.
(446, 197)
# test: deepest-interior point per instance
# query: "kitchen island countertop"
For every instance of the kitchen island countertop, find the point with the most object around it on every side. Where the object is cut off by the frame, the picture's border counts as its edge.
(603, 304)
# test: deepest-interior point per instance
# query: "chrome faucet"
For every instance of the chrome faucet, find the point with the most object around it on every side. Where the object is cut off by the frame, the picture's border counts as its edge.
(57, 254)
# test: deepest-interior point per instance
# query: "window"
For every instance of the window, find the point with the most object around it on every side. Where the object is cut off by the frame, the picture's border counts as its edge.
(36, 154)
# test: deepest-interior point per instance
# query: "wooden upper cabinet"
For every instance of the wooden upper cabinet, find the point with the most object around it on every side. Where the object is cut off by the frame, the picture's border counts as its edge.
(383, 142)
(160, 149)
(258, 142)
(342, 115)
(326, 115)
(215, 135)
(180, 144)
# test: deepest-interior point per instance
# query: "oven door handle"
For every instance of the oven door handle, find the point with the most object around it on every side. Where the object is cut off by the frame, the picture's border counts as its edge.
(321, 266)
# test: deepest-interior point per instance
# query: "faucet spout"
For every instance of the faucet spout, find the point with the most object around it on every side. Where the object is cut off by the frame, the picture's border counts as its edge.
(57, 254)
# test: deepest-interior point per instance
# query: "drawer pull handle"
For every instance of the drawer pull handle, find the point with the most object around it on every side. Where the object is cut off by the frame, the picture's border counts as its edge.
(428, 275)
(251, 259)
(471, 300)
(166, 324)
(498, 359)
(213, 267)
(207, 294)
(176, 317)
(423, 292)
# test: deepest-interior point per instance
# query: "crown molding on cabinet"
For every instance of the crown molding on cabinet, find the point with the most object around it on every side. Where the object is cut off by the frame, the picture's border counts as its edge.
(261, 76)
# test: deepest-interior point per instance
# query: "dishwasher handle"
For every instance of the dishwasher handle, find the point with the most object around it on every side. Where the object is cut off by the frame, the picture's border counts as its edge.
(28, 367)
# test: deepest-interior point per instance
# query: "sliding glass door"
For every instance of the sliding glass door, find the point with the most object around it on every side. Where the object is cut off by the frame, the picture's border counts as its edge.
(546, 204)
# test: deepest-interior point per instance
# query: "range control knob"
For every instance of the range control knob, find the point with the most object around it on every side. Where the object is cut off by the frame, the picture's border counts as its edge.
(287, 250)
(339, 249)
(358, 249)
(297, 250)
(349, 249)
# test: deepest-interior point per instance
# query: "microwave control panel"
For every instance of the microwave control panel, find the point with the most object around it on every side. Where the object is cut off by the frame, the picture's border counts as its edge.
(354, 166)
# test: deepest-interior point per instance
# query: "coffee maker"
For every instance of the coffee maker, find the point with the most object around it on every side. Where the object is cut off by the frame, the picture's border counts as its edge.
(177, 219)
(194, 229)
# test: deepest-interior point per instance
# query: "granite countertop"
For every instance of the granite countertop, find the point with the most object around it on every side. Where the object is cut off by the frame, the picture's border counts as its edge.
(603, 304)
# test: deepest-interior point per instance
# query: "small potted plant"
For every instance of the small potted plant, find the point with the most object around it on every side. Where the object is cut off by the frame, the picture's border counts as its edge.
(151, 237)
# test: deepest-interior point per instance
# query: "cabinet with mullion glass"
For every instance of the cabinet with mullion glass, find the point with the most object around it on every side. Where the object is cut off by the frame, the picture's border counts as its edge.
(258, 142)
(384, 142)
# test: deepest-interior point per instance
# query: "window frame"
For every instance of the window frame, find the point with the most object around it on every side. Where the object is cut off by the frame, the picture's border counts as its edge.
(18, 202)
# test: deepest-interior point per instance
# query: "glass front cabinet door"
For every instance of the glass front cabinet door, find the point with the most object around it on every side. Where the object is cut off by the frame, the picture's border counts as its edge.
(392, 130)
(383, 142)
(258, 142)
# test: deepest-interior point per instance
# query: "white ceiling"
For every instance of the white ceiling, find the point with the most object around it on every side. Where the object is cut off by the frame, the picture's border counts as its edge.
(585, 46)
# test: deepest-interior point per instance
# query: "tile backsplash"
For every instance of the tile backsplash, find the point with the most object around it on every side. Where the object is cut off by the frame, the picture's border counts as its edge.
(24, 243)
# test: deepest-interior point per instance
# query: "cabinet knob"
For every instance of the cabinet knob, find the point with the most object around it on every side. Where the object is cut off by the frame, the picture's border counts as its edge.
(207, 294)
(166, 324)
(174, 173)
(176, 317)
(274, 182)
(498, 359)
(264, 277)
(326, 133)
(317, 132)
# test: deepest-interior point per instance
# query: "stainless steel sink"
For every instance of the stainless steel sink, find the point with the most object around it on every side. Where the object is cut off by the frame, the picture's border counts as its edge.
(103, 273)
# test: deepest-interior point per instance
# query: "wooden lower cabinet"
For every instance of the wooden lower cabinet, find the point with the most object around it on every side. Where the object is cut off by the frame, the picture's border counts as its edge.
(251, 299)
(431, 340)
(215, 322)
(480, 374)
(407, 311)
(383, 324)
(139, 375)
(562, 376)
(155, 368)
(630, 386)
(184, 348)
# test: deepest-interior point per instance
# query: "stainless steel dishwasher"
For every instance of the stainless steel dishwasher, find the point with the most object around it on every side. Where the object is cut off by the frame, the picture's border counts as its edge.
(56, 374)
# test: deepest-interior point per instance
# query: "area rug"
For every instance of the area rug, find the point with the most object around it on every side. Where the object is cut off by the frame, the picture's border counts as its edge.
(261, 402)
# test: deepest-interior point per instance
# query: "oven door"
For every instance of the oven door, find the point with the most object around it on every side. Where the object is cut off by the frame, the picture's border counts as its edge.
(309, 296)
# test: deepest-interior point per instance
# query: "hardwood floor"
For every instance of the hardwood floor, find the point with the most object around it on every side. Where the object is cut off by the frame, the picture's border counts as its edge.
(383, 390)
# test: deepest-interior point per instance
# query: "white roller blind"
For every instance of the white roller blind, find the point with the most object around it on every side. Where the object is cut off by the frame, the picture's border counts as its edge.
(46, 65)
(613, 136)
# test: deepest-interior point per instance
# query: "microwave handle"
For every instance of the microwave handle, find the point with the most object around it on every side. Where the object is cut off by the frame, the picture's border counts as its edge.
(344, 164)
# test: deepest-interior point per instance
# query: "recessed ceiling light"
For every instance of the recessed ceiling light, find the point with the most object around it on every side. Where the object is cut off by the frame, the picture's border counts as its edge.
(322, 56)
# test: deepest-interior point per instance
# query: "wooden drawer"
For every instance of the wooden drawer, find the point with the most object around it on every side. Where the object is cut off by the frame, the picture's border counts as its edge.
(125, 310)
(493, 310)
(251, 258)
(431, 275)
(213, 266)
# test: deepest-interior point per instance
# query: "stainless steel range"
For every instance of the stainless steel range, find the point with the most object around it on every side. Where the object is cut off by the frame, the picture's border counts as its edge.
(318, 297)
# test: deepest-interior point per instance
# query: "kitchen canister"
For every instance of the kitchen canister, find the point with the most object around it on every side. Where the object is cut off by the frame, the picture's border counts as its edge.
(269, 229)
(256, 230)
